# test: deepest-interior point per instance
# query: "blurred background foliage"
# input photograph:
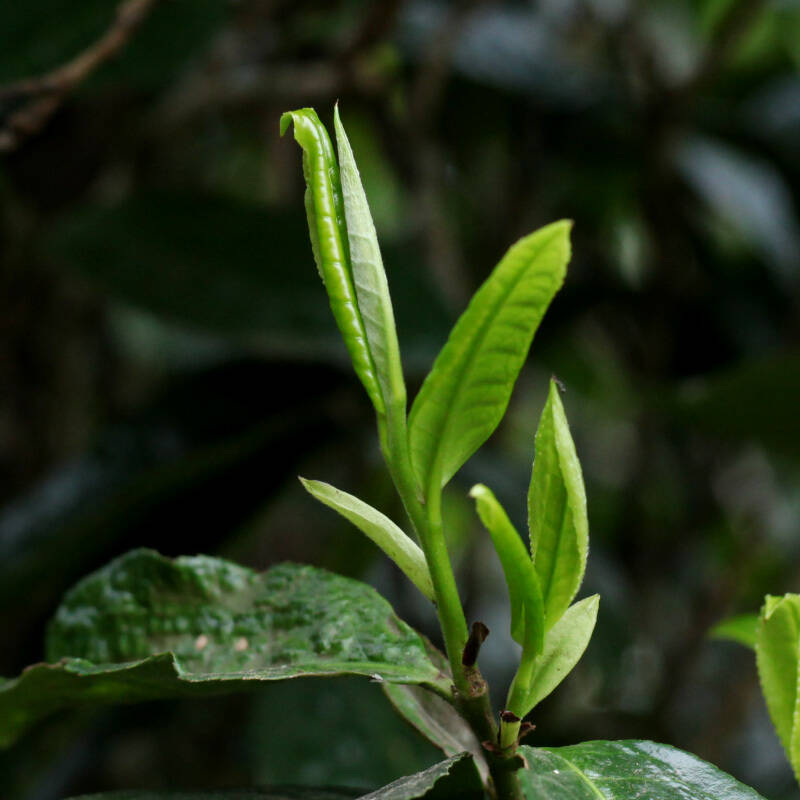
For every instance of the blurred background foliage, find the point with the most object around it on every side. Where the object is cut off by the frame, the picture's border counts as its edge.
(169, 365)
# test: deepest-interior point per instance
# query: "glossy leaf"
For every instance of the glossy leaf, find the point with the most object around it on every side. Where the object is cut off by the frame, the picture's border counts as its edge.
(467, 391)
(148, 627)
(369, 277)
(778, 659)
(380, 529)
(527, 609)
(435, 718)
(328, 231)
(564, 644)
(455, 778)
(557, 518)
(625, 770)
(742, 629)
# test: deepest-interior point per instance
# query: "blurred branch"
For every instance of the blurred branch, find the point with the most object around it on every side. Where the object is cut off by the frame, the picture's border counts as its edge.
(37, 99)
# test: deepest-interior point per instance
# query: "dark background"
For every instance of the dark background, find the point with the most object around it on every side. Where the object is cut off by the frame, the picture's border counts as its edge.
(168, 364)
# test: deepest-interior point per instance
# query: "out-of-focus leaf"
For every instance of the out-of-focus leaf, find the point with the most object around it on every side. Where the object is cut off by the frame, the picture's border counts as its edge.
(467, 391)
(557, 518)
(755, 401)
(625, 770)
(456, 778)
(217, 265)
(232, 269)
(778, 660)
(750, 195)
(395, 542)
(742, 629)
(149, 627)
(564, 644)
(155, 480)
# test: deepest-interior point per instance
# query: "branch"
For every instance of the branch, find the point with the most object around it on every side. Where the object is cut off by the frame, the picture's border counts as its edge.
(41, 97)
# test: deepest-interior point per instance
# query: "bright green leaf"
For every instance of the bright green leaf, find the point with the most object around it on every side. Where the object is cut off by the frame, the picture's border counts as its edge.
(564, 644)
(455, 778)
(380, 529)
(466, 393)
(741, 629)
(778, 660)
(369, 277)
(527, 609)
(625, 770)
(147, 627)
(329, 241)
(557, 518)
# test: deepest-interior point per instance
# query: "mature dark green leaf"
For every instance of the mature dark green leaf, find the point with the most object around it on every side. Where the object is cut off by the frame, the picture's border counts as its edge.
(448, 780)
(455, 778)
(741, 629)
(557, 519)
(466, 393)
(755, 401)
(625, 770)
(149, 627)
(287, 793)
(778, 660)
(437, 720)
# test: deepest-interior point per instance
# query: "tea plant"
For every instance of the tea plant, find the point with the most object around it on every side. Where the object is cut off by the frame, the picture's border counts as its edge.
(150, 627)
(774, 635)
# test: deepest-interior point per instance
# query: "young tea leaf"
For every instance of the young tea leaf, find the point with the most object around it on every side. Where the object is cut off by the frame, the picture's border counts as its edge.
(564, 644)
(147, 627)
(625, 770)
(559, 527)
(369, 277)
(378, 527)
(527, 609)
(466, 393)
(778, 660)
(742, 629)
(328, 231)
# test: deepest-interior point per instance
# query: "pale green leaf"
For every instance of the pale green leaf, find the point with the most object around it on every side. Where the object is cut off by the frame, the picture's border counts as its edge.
(564, 644)
(328, 232)
(625, 770)
(369, 277)
(525, 594)
(147, 627)
(380, 529)
(559, 527)
(741, 629)
(467, 391)
(778, 660)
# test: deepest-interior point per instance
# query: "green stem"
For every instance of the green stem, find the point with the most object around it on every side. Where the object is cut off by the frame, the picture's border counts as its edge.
(472, 694)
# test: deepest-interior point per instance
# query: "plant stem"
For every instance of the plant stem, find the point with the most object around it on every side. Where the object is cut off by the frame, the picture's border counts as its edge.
(472, 693)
